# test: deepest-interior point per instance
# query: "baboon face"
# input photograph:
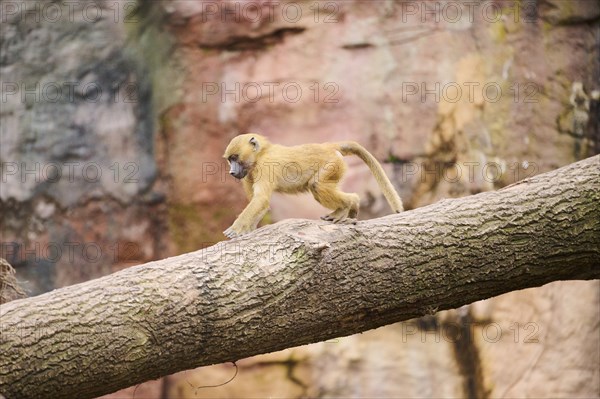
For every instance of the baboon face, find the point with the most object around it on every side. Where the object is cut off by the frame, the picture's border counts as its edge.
(241, 154)
(237, 169)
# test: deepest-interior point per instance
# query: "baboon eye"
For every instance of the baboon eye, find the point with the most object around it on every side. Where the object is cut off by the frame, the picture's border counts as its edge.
(233, 157)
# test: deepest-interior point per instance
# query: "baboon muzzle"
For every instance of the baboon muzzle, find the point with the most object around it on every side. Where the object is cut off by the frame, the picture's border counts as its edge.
(237, 170)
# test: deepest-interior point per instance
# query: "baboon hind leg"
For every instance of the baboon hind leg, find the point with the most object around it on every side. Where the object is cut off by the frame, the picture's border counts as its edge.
(344, 205)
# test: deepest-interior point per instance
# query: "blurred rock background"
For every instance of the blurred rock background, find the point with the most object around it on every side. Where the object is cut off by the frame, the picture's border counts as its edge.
(114, 116)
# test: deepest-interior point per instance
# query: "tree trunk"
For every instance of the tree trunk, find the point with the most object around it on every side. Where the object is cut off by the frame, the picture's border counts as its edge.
(298, 282)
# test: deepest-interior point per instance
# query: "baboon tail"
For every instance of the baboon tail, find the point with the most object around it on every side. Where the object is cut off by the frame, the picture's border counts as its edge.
(392, 197)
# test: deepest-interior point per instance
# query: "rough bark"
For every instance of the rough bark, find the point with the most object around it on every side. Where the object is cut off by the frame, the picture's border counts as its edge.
(9, 287)
(298, 282)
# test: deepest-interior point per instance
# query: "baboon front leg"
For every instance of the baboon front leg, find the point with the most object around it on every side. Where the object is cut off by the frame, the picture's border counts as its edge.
(249, 218)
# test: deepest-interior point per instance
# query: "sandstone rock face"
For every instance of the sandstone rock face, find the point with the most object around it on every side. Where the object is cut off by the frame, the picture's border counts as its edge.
(454, 97)
(77, 146)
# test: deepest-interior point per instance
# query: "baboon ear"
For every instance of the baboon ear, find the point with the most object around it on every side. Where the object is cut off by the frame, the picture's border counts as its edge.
(254, 143)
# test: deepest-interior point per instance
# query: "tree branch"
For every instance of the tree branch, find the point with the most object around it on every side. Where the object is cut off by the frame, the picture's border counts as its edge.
(298, 282)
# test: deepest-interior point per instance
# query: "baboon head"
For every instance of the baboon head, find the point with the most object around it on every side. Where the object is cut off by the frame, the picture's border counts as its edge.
(242, 152)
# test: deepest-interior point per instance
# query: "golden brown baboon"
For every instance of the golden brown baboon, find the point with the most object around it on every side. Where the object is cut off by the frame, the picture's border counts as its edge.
(265, 168)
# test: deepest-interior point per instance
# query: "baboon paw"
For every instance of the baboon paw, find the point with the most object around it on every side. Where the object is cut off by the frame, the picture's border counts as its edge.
(230, 233)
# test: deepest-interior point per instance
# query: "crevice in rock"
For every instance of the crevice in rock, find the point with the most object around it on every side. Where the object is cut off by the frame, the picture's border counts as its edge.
(467, 357)
(242, 43)
(357, 46)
